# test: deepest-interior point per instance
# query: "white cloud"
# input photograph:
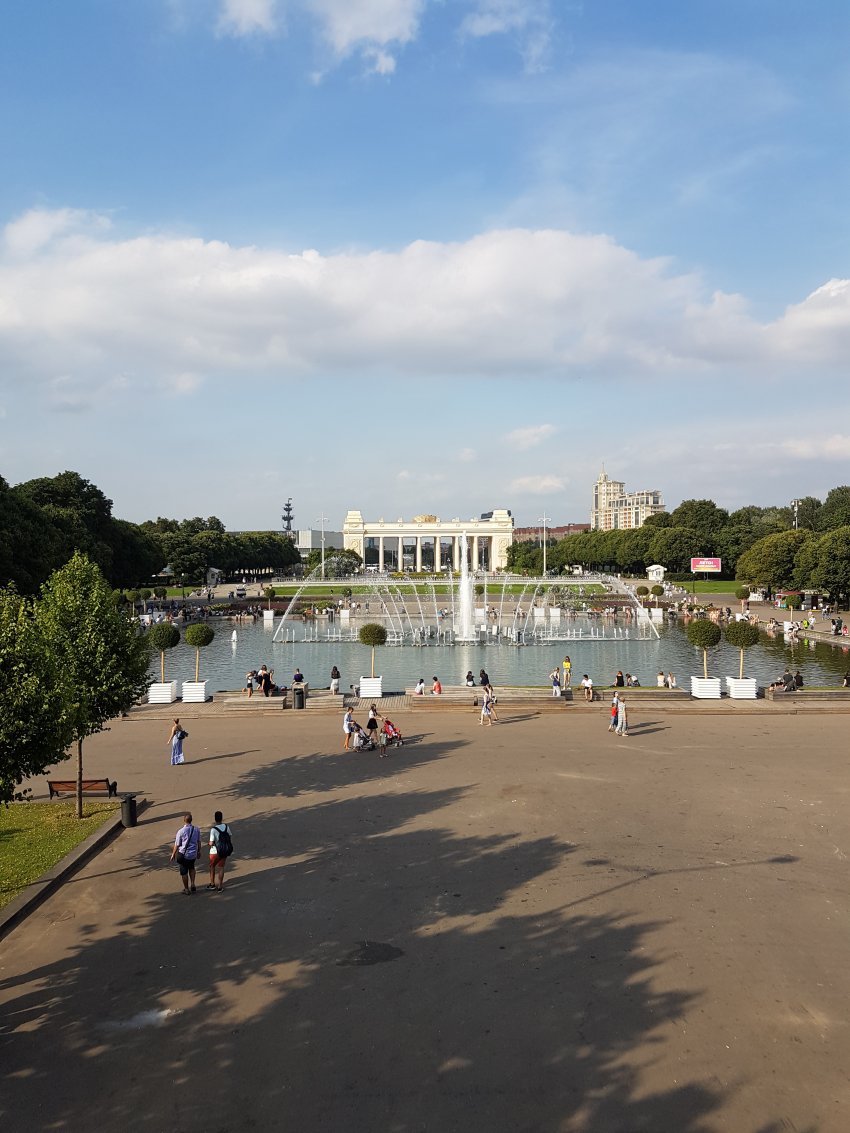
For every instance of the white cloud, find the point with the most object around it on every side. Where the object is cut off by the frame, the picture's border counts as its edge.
(514, 303)
(467, 455)
(836, 447)
(530, 20)
(247, 17)
(537, 485)
(530, 436)
(349, 24)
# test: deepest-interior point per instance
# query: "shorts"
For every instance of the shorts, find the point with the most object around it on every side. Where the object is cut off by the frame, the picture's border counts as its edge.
(185, 864)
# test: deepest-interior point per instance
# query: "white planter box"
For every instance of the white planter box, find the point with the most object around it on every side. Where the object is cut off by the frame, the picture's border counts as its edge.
(162, 693)
(370, 687)
(705, 688)
(742, 688)
(194, 692)
(268, 617)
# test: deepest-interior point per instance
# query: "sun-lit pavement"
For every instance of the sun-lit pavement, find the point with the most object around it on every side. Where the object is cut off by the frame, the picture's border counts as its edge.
(566, 931)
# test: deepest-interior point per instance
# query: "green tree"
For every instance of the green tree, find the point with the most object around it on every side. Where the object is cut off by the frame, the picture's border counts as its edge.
(704, 634)
(705, 518)
(656, 591)
(831, 564)
(99, 656)
(269, 592)
(373, 635)
(34, 730)
(163, 636)
(642, 592)
(771, 561)
(835, 511)
(199, 637)
(674, 547)
(741, 635)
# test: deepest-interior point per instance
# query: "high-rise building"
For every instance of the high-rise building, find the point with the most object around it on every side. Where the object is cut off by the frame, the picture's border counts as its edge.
(615, 509)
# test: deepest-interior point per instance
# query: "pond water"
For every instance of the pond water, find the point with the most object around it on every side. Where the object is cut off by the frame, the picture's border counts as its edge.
(224, 664)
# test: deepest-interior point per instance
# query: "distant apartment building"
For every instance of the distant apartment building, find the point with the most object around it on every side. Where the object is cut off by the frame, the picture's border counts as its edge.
(531, 534)
(615, 509)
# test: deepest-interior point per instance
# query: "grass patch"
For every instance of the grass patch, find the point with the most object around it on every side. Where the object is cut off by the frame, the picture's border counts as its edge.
(711, 586)
(35, 836)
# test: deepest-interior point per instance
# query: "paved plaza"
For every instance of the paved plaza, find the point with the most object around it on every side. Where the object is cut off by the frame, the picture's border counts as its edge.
(531, 927)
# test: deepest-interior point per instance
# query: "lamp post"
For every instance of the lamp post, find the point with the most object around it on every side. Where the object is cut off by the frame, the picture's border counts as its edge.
(323, 519)
(795, 504)
(544, 519)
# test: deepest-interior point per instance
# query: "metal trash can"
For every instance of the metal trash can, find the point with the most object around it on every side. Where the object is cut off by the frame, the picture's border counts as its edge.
(298, 696)
(128, 811)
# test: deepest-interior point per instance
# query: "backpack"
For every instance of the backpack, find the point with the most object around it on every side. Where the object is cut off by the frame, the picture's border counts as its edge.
(223, 842)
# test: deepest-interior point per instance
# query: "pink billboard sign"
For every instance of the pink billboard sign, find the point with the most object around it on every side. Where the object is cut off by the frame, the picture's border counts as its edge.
(709, 566)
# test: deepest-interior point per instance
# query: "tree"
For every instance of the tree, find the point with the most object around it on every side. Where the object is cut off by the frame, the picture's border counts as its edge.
(372, 634)
(835, 510)
(101, 660)
(199, 637)
(741, 635)
(830, 571)
(742, 594)
(339, 561)
(34, 731)
(641, 592)
(704, 634)
(674, 547)
(656, 591)
(705, 518)
(771, 561)
(161, 637)
(269, 592)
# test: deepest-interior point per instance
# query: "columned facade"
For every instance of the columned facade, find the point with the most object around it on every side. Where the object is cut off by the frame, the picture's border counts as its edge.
(428, 544)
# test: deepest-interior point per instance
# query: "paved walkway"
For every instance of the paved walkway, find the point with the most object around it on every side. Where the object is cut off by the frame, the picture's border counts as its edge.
(535, 927)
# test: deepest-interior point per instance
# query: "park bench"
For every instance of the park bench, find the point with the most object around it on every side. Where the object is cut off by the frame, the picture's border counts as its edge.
(58, 787)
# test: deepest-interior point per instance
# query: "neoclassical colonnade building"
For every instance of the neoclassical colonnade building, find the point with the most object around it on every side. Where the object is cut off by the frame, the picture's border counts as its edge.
(427, 543)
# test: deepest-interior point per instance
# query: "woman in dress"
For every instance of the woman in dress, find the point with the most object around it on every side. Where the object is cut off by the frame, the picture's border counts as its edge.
(347, 728)
(176, 740)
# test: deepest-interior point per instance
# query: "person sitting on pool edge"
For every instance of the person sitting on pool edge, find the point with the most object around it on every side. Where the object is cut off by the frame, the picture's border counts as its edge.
(436, 688)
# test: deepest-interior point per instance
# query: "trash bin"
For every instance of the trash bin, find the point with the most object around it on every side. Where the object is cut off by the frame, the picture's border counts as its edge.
(128, 811)
(298, 696)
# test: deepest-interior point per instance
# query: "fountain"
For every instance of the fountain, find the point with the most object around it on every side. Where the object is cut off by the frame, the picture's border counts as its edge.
(464, 625)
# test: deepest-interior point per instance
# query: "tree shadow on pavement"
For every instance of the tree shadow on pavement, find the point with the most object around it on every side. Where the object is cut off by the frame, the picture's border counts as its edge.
(373, 969)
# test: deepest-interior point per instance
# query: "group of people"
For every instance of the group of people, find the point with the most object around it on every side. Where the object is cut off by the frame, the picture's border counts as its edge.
(788, 682)
(378, 733)
(619, 721)
(186, 852)
(264, 680)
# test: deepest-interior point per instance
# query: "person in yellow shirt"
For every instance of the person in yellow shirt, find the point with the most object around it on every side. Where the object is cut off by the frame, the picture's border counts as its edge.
(568, 673)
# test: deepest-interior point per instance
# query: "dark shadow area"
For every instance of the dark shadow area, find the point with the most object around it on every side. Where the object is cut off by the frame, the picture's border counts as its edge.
(322, 771)
(225, 755)
(367, 970)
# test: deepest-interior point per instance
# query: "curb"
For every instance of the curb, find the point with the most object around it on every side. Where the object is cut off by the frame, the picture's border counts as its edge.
(38, 891)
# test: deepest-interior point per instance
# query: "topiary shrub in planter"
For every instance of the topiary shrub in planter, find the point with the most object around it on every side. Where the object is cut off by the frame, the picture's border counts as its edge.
(704, 634)
(642, 592)
(741, 635)
(656, 591)
(161, 637)
(199, 637)
(373, 635)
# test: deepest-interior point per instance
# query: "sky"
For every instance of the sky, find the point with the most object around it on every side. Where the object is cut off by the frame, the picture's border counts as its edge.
(424, 256)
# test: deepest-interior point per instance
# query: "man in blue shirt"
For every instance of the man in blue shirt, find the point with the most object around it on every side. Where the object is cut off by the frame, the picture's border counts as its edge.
(185, 851)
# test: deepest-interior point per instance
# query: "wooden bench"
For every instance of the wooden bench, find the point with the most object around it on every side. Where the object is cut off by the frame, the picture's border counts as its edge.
(58, 787)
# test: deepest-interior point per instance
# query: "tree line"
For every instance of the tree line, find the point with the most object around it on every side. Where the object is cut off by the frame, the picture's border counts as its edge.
(44, 521)
(807, 547)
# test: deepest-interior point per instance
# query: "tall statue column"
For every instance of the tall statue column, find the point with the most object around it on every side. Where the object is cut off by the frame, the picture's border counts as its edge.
(381, 553)
(475, 552)
(456, 554)
(418, 554)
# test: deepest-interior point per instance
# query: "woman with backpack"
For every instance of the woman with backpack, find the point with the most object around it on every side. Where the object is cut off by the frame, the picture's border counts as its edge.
(175, 739)
(221, 847)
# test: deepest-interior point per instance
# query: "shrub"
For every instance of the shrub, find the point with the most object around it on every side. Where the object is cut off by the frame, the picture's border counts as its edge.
(742, 635)
(199, 636)
(161, 637)
(704, 634)
(373, 635)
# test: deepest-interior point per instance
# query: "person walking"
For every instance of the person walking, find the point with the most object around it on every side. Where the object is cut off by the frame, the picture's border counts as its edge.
(185, 851)
(487, 710)
(615, 706)
(175, 739)
(372, 724)
(221, 847)
(347, 728)
(622, 718)
(555, 678)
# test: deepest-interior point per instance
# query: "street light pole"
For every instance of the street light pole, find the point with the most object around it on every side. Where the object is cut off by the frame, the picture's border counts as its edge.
(544, 518)
(795, 504)
(323, 519)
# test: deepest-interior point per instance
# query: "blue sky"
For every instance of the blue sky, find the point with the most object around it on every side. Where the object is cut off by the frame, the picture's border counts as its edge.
(424, 255)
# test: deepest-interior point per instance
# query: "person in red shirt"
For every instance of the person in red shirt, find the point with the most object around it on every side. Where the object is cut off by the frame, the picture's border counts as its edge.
(436, 688)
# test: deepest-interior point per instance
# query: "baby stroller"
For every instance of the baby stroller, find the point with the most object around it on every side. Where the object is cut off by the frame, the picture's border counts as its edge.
(391, 735)
(361, 739)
